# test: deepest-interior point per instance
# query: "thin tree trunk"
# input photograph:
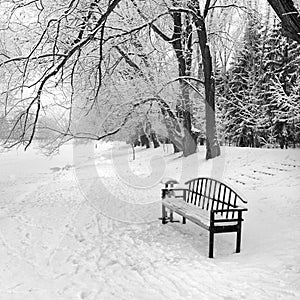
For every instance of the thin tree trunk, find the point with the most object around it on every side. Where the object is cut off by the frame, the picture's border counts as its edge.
(154, 139)
(133, 152)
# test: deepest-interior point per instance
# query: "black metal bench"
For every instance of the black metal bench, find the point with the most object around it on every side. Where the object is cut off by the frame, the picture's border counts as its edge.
(208, 203)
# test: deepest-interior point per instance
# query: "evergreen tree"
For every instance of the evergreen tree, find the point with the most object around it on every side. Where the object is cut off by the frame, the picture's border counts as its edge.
(259, 95)
(241, 88)
(281, 75)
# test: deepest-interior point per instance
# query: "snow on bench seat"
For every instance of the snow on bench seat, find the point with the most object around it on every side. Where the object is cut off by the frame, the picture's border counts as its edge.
(195, 214)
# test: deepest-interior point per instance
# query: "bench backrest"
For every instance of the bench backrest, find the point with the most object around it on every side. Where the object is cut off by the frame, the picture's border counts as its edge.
(210, 194)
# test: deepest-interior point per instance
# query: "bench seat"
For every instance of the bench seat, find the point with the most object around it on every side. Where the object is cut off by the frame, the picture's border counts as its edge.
(189, 211)
(194, 213)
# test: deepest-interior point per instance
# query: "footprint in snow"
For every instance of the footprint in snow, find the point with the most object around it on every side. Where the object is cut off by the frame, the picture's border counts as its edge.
(84, 295)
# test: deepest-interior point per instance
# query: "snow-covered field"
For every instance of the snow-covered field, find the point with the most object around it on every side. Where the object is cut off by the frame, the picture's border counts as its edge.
(84, 225)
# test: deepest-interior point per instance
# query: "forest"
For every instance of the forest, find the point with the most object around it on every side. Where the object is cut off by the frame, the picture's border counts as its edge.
(222, 72)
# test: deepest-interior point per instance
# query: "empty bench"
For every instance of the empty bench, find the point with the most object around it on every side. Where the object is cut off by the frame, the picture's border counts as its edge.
(208, 203)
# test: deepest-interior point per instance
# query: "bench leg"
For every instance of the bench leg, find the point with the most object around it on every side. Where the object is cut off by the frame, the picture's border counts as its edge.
(171, 216)
(239, 233)
(238, 238)
(164, 215)
(183, 220)
(211, 244)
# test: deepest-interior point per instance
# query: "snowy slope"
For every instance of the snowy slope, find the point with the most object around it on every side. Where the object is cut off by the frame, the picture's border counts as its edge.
(92, 231)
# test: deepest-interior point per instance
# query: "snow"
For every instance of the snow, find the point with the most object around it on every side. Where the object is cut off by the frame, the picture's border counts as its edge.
(84, 225)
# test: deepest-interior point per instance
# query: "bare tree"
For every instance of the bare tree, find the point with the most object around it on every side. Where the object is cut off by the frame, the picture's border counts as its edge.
(66, 34)
(78, 50)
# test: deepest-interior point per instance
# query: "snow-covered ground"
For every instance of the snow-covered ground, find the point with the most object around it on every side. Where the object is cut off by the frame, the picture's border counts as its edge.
(84, 225)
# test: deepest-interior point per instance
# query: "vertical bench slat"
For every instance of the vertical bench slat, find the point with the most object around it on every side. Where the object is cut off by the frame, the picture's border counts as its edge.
(197, 196)
(228, 204)
(202, 188)
(234, 204)
(219, 195)
(188, 193)
(192, 192)
(196, 192)
(224, 197)
(204, 194)
(214, 195)
(209, 197)
(200, 192)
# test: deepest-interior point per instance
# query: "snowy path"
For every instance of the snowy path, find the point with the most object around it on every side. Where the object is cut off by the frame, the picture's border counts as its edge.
(55, 245)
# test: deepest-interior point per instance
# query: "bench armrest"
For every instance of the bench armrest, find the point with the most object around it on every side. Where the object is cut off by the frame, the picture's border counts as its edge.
(165, 191)
(178, 189)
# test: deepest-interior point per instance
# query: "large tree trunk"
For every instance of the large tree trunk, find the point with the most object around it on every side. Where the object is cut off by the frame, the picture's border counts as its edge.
(212, 145)
(289, 16)
(180, 44)
(181, 41)
(189, 143)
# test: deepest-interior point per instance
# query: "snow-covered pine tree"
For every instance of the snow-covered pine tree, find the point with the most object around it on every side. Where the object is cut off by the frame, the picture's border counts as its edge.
(241, 88)
(281, 76)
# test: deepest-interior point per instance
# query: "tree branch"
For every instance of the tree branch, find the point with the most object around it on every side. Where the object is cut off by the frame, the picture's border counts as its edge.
(152, 25)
